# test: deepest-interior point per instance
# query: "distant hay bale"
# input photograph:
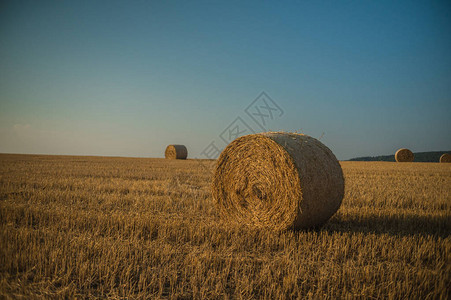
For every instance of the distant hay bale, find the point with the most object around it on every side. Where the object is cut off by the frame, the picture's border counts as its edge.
(404, 155)
(277, 180)
(176, 152)
(445, 158)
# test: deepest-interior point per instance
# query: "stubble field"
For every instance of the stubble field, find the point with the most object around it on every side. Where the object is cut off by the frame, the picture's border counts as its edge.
(96, 227)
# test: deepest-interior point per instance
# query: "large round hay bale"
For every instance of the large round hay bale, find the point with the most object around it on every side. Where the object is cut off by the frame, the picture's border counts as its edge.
(404, 155)
(176, 152)
(445, 158)
(277, 181)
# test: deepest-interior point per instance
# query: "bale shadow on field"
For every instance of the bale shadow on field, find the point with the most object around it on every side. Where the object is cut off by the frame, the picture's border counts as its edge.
(438, 226)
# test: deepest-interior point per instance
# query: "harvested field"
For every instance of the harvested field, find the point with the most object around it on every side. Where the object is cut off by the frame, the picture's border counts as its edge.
(147, 228)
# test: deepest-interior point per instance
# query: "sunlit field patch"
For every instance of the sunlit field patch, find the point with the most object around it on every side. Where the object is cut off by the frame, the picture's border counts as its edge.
(147, 228)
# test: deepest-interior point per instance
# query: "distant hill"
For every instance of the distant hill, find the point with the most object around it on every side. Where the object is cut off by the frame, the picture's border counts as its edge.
(419, 157)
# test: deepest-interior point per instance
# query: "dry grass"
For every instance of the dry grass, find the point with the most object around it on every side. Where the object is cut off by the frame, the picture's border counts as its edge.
(147, 228)
(277, 180)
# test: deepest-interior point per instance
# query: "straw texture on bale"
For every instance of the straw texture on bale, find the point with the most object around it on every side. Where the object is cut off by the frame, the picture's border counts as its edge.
(176, 152)
(445, 158)
(404, 155)
(277, 181)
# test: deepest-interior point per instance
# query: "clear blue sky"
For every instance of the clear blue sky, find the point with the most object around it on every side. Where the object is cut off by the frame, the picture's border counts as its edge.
(129, 77)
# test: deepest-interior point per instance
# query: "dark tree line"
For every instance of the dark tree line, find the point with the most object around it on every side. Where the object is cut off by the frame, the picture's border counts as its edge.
(419, 157)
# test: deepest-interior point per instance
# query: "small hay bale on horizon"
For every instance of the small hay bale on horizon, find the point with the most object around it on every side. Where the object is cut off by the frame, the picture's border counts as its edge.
(277, 181)
(404, 155)
(445, 158)
(176, 152)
